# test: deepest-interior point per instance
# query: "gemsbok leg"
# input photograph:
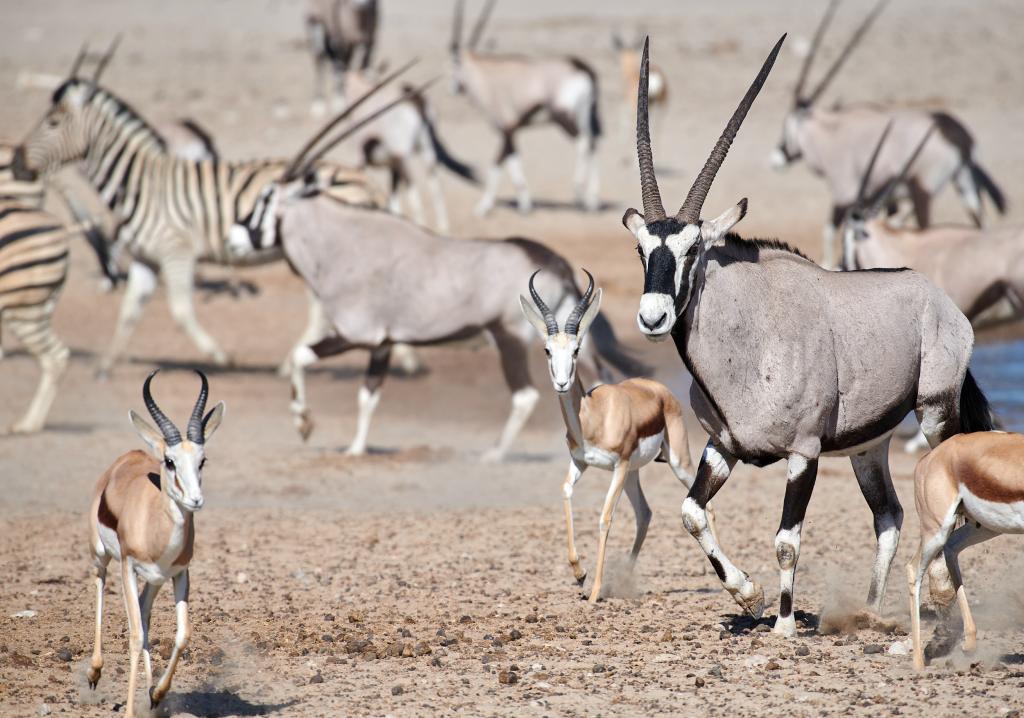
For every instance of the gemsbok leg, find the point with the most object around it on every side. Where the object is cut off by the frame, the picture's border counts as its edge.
(872, 471)
(712, 472)
(302, 357)
(802, 473)
(369, 397)
(575, 472)
(963, 180)
(515, 366)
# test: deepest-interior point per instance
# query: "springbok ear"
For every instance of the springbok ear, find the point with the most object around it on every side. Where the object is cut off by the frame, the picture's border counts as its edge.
(718, 227)
(153, 438)
(591, 313)
(212, 420)
(533, 316)
(633, 220)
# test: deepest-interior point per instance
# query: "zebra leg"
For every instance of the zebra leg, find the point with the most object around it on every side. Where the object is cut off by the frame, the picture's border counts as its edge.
(32, 327)
(141, 284)
(179, 276)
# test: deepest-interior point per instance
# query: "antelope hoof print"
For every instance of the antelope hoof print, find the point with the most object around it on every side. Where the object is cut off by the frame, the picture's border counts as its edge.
(751, 599)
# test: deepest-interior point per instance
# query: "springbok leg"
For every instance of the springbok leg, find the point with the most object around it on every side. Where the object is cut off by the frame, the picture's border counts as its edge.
(872, 470)
(712, 472)
(181, 638)
(149, 592)
(641, 510)
(800, 483)
(967, 535)
(130, 589)
(927, 552)
(575, 472)
(96, 664)
(611, 500)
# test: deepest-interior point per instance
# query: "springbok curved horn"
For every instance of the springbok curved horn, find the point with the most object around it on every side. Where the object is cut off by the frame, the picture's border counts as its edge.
(105, 59)
(409, 93)
(572, 324)
(549, 317)
(171, 434)
(902, 176)
(689, 213)
(481, 22)
(850, 46)
(77, 64)
(297, 162)
(826, 19)
(866, 178)
(194, 432)
(457, 25)
(653, 208)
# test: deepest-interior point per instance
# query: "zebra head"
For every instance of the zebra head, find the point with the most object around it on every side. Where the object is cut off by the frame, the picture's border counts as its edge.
(670, 248)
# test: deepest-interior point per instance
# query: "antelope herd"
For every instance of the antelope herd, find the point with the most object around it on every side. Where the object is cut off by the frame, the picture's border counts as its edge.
(790, 360)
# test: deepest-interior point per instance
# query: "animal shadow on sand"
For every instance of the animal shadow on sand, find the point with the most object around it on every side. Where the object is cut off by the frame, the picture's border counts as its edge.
(211, 703)
(740, 623)
(338, 373)
(557, 205)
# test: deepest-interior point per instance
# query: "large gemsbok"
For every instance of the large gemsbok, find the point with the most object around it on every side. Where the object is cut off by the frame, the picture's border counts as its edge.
(792, 362)
(836, 143)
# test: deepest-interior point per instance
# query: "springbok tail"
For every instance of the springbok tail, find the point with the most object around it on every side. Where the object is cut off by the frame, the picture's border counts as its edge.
(975, 412)
(986, 184)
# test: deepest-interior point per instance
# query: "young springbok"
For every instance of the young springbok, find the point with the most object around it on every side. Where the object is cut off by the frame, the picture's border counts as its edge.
(977, 477)
(142, 516)
(617, 427)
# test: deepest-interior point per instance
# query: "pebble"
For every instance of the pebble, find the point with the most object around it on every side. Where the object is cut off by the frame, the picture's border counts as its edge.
(716, 671)
(397, 690)
(24, 614)
(64, 654)
(803, 651)
(515, 635)
(317, 678)
(43, 710)
(241, 577)
(667, 637)
(762, 628)
(873, 648)
(465, 619)
(507, 677)
(699, 682)
(598, 668)
(772, 666)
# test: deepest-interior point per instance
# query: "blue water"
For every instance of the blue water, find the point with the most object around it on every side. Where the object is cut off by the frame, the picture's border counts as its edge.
(999, 369)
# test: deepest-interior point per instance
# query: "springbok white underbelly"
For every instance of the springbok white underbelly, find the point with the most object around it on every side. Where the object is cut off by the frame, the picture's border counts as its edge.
(647, 450)
(1002, 517)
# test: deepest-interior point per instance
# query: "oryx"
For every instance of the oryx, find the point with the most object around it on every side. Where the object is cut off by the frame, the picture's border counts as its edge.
(513, 91)
(341, 35)
(836, 142)
(793, 362)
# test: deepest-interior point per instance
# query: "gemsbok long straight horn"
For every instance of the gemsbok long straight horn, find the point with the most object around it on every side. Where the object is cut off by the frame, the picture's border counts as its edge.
(791, 362)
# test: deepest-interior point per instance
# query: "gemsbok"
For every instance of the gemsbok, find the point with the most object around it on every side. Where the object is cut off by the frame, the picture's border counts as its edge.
(382, 280)
(341, 35)
(982, 270)
(406, 143)
(142, 515)
(967, 490)
(835, 143)
(790, 361)
(513, 91)
(617, 427)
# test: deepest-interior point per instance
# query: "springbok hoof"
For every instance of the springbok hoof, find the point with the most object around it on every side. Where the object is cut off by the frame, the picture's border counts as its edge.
(580, 577)
(93, 676)
(154, 698)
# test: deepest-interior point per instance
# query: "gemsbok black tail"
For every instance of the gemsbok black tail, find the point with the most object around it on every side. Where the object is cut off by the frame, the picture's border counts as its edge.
(984, 182)
(975, 412)
(453, 165)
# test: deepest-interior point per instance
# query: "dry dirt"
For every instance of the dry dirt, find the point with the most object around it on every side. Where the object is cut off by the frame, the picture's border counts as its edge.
(315, 573)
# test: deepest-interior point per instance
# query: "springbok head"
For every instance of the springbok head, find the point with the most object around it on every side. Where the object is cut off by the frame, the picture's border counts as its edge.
(456, 46)
(562, 345)
(258, 230)
(182, 460)
(62, 136)
(789, 147)
(867, 207)
(670, 247)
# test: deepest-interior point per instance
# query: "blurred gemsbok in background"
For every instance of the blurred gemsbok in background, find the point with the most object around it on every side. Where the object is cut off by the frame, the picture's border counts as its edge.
(793, 362)
(141, 515)
(341, 35)
(836, 142)
(513, 91)
(629, 65)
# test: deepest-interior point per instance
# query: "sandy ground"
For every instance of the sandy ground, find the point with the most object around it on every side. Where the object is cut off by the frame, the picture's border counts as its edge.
(315, 574)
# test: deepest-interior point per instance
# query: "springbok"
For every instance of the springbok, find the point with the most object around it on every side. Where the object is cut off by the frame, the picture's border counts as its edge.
(142, 515)
(793, 362)
(629, 65)
(835, 143)
(978, 268)
(399, 138)
(977, 478)
(617, 427)
(336, 32)
(513, 91)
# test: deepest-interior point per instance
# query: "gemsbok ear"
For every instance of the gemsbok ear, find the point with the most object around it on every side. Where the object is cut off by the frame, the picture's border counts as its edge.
(590, 314)
(212, 420)
(153, 438)
(533, 316)
(713, 230)
(633, 220)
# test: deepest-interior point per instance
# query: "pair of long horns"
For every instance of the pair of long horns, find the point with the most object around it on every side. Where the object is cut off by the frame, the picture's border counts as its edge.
(478, 28)
(799, 98)
(689, 212)
(572, 324)
(306, 157)
(101, 64)
(172, 436)
(890, 187)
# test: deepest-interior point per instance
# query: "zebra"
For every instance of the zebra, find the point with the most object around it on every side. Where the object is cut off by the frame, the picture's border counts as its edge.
(171, 212)
(33, 267)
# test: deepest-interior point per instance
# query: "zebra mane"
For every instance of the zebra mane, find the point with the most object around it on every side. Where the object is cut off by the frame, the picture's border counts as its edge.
(103, 98)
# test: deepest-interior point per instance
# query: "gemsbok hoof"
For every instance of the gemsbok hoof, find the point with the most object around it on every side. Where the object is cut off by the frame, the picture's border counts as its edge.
(751, 599)
(304, 425)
